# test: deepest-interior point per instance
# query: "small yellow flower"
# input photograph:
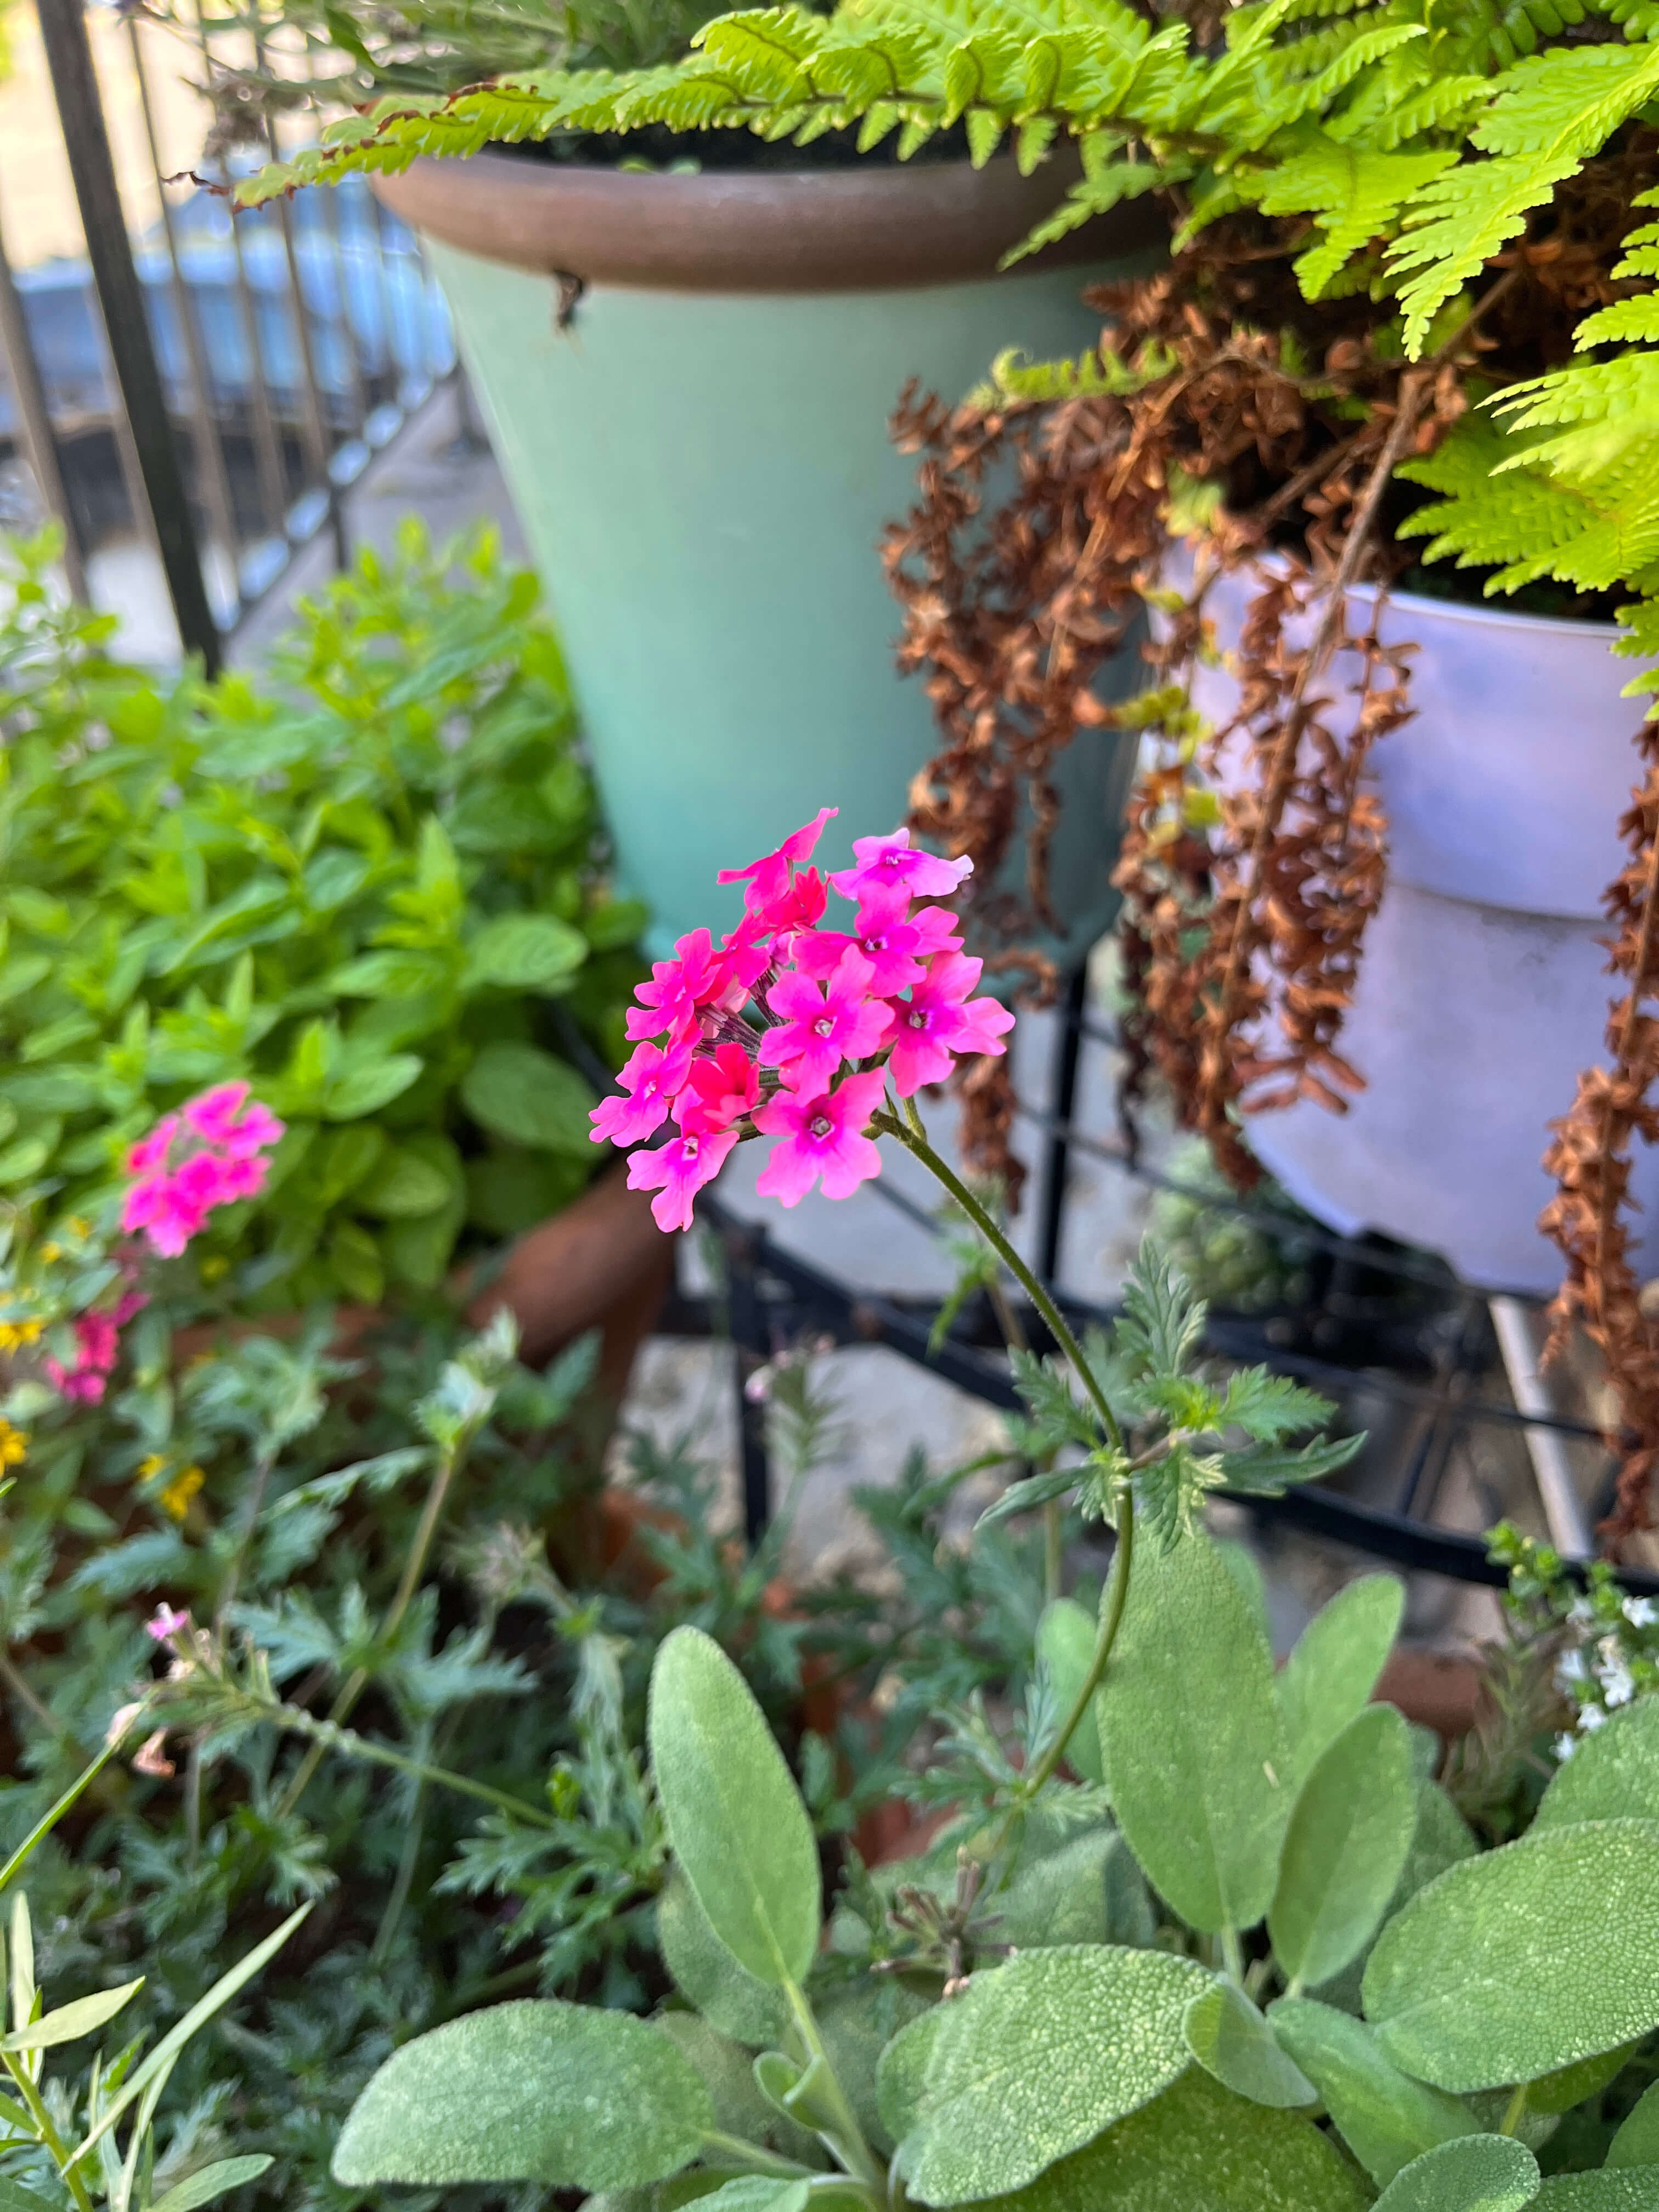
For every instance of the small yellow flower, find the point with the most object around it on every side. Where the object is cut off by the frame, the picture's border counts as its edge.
(78, 1227)
(214, 1264)
(13, 1334)
(13, 1444)
(151, 1464)
(175, 1498)
(51, 1249)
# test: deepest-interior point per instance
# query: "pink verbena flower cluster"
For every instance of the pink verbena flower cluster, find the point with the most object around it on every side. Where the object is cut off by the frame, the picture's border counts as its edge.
(791, 1029)
(208, 1154)
(97, 1343)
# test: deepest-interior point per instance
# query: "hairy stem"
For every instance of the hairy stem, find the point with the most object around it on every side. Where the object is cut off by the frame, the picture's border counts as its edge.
(914, 1141)
(329, 1735)
(850, 2144)
(18, 2069)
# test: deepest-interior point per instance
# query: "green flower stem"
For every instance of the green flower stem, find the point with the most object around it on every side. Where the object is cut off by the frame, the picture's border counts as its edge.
(753, 2158)
(855, 2153)
(328, 1735)
(909, 1132)
(911, 1136)
(18, 2069)
(49, 1819)
(1516, 2112)
(414, 1565)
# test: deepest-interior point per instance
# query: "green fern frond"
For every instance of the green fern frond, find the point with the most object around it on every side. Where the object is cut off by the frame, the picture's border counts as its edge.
(1353, 196)
(1625, 322)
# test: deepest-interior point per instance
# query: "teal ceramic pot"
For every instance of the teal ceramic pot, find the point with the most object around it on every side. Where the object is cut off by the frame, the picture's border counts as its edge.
(697, 448)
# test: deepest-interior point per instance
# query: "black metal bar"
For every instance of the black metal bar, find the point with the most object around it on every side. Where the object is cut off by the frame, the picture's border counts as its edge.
(39, 438)
(121, 303)
(1068, 1054)
(751, 1344)
(214, 477)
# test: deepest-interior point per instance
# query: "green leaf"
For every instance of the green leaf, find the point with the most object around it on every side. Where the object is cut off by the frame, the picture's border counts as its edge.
(901, 2072)
(540, 2091)
(1230, 2039)
(1059, 1895)
(1245, 1569)
(1196, 1753)
(1637, 2142)
(1065, 1643)
(1162, 1323)
(403, 1187)
(757, 2192)
(1331, 1674)
(1571, 2085)
(727, 2074)
(1612, 1775)
(210, 2181)
(1036, 2058)
(364, 1086)
(1476, 2173)
(13, 2197)
(526, 952)
(706, 1975)
(523, 1094)
(1524, 1960)
(1385, 2118)
(69, 2022)
(1350, 1831)
(735, 1820)
(1633, 2190)
(1199, 2149)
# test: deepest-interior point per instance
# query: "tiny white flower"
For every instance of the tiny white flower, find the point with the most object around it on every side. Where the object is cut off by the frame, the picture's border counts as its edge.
(1565, 1746)
(1641, 1612)
(1617, 1686)
(1581, 1613)
(1591, 1718)
(1570, 1669)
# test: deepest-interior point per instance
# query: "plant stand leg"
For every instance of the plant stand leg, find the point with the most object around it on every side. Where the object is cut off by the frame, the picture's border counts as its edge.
(1062, 1098)
(751, 1347)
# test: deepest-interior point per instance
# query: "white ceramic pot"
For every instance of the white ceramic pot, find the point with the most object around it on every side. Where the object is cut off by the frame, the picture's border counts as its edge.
(1483, 988)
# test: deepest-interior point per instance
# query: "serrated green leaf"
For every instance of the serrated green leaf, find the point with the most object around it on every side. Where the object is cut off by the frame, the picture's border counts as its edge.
(1230, 2039)
(1613, 1774)
(1523, 1960)
(1334, 1668)
(1065, 1643)
(1037, 2057)
(1476, 2173)
(1027, 1495)
(1349, 1834)
(1195, 1749)
(739, 1831)
(1386, 2119)
(524, 1095)
(535, 2091)
(208, 2182)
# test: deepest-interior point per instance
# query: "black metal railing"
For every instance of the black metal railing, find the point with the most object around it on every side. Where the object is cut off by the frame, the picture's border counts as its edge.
(209, 386)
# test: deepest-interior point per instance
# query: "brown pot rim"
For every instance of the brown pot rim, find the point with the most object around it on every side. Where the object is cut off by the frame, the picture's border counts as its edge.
(754, 231)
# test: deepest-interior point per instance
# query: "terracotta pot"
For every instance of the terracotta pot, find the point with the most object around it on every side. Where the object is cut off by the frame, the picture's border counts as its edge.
(688, 381)
(1436, 1689)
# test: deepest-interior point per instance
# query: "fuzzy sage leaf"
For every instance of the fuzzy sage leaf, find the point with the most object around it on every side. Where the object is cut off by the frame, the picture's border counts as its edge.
(1613, 1774)
(1194, 1748)
(1476, 2173)
(1230, 2039)
(1350, 1830)
(1334, 1667)
(739, 1828)
(1385, 2118)
(535, 2091)
(1524, 1960)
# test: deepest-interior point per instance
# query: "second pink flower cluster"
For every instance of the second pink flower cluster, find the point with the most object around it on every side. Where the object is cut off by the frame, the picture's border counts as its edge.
(795, 1028)
(210, 1154)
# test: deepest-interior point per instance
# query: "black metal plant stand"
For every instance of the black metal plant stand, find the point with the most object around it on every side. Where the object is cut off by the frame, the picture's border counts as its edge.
(773, 1298)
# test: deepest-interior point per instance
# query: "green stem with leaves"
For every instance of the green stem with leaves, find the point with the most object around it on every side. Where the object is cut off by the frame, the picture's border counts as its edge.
(18, 2069)
(908, 1128)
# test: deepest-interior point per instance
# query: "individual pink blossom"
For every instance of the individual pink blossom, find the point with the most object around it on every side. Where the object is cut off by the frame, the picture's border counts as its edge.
(212, 1154)
(228, 1118)
(151, 1152)
(769, 877)
(164, 1622)
(939, 1020)
(822, 1138)
(885, 861)
(821, 1029)
(97, 1347)
(895, 942)
(800, 906)
(721, 1088)
(700, 975)
(650, 1079)
(677, 1171)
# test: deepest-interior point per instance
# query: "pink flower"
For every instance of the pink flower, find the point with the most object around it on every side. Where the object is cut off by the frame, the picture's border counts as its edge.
(939, 1020)
(82, 1384)
(150, 1152)
(884, 861)
(894, 941)
(213, 1115)
(164, 1622)
(798, 906)
(768, 877)
(97, 1347)
(649, 1079)
(701, 975)
(721, 1088)
(820, 1030)
(822, 1136)
(677, 1171)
